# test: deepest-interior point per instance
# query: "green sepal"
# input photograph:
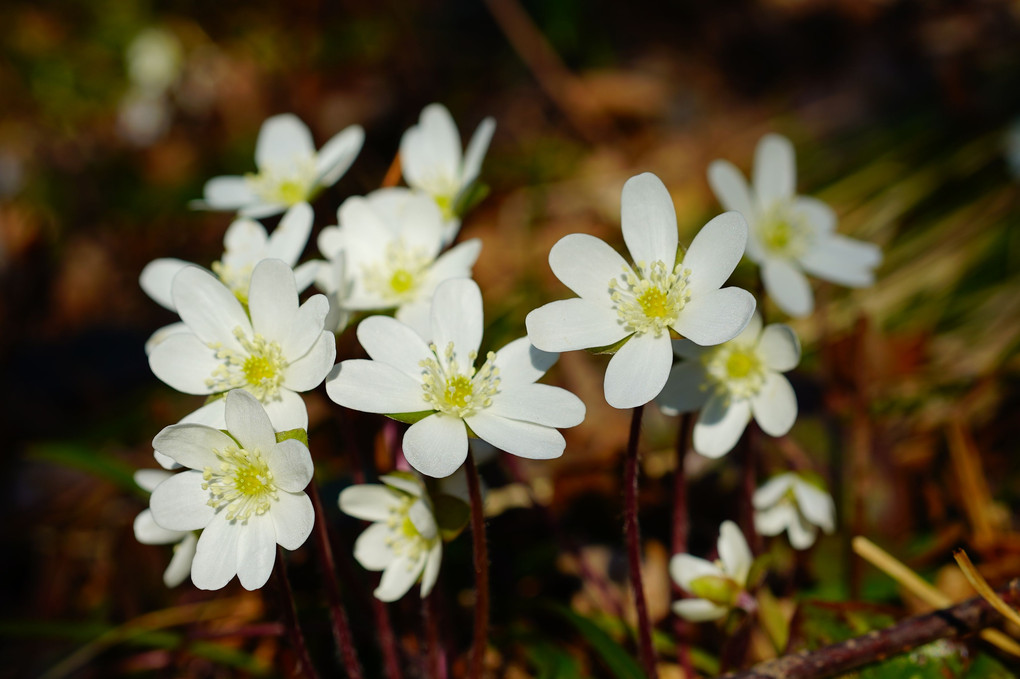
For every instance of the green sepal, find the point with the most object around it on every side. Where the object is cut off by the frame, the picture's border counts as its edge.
(452, 515)
(214, 397)
(720, 590)
(609, 348)
(471, 196)
(772, 620)
(410, 418)
(759, 569)
(298, 434)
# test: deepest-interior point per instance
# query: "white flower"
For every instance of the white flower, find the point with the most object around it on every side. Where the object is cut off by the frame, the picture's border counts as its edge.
(154, 60)
(148, 532)
(392, 255)
(664, 290)
(719, 586)
(789, 502)
(244, 491)
(732, 382)
(245, 244)
(290, 170)
(499, 401)
(790, 233)
(403, 541)
(431, 160)
(281, 350)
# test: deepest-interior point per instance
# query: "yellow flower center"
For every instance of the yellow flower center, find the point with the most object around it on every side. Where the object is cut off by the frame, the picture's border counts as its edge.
(241, 484)
(238, 279)
(259, 368)
(285, 184)
(651, 298)
(446, 205)
(397, 278)
(457, 390)
(735, 369)
(404, 539)
(784, 232)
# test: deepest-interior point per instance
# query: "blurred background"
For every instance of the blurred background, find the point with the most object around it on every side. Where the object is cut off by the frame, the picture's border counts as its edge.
(115, 112)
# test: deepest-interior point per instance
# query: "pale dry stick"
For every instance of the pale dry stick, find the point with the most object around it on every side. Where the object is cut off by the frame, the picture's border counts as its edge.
(912, 582)
(983, 588)
(976, 497)
(559, 84)
(960, 620)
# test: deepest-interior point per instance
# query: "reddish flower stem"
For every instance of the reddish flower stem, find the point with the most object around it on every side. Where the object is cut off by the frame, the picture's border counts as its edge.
(481, 558)
(305, 667)
(632, 533)
(681, 527)
(432, 654)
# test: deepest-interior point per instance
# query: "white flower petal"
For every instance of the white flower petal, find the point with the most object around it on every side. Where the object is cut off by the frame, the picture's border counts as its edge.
(775, 405)
(456, 262)
(775, 169)
(843, 260)
(148, 479)
(570, 324)
(586, 265)
(437, 445)
(685, 389)
(157, 280)
(638, 371)
(801, 533)
(539, 403)
(820, 216)
(157, 337)
(291, 235)
(374, 547)
(648, 220)
(520, 362)
(816, 505)
(420, 514)
(248, 422)
(415, 315)
(716, 316)
(399, 577)
(431, 149)
(304, 274)
(208, 307)
(245, 241)
(684, 568)
(476, 149)
(730, 188)
(192, 445)
(431, 572)
(523, 439)
(180, 503)
(368, 501)
(180, 563)
(282, 139)
(215, 561)
(788, 287)
(184, 362)
(374, 387)
(259, 210)
(291, 465)
(212, 414)
(720, 425)
(734, 553)
(391, 342)
(403, 484)
(308, 372)
(164, 461)
(148, 532)
(715, 252)
(698, 610)
(775, 520)
(779, 347)
(293, 517)
(226, 193)
(336, 155)
(256, 552)
(273, 304)
(457, 317)
(287, 411)
(773, 490)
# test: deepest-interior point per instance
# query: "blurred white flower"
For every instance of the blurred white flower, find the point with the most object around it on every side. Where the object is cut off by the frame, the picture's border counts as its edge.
(143, 117)
(392, 255)
(148, 532)
(282, 349)
(790, 503)
(244, 491)
(431, 160)
(664, 290)
(290, 171)
(719, 586)
(790, 234)
(437, 385)
(403, 541)
(154, 61)
(732, 382)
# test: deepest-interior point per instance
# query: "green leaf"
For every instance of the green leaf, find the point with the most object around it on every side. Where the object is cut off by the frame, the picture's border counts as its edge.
(298, 434)
(616, 659)
(89, 460)
(410, 418)
(470, 197)
(772, 620)
(551, 662)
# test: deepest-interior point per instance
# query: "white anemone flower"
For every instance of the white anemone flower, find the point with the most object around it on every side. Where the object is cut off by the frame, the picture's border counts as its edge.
(733, 382)
(665, 290)
(392, 255)
(148, 532)
(431, 160)
(281, 350)
(790, 234)
(245, 244)
(718, 586)
(790, 503)
(403, 541)
(437, 383)
(290, 171)
(242, 489)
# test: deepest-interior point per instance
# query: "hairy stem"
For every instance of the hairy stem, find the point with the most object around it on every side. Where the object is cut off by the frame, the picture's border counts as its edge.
(632, 531)
(481, 571)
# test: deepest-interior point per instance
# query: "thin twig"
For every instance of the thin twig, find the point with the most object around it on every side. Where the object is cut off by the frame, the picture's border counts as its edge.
(983, 588)
(305, 667)
(632, 532)
(481, 559)
(948, 623)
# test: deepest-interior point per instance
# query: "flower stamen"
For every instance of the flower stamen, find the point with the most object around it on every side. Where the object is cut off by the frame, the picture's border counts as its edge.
(259, 368)
(457, 390)
(650, 298)
(241, 484)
